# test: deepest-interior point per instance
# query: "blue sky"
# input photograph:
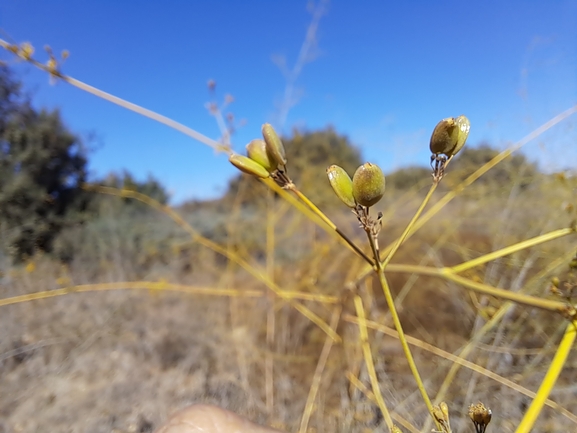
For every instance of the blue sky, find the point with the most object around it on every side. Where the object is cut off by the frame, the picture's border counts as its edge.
(384, 73)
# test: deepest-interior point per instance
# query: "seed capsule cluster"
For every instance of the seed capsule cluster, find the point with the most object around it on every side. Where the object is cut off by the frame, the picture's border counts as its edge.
(366, 187)
(267, 157)
(264, 157)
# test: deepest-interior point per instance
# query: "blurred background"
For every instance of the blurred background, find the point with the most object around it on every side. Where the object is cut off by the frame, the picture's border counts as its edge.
(343, 83)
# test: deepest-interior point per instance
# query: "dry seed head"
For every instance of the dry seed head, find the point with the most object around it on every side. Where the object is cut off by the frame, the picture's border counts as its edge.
(274, 143)
(342, 185)
(257, 151)
(248, 166)
(481, 416)
(368, 184)
(26, 50)
(441, 414)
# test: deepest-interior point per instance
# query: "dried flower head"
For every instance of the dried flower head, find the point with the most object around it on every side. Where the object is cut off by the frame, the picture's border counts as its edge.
(481, 416)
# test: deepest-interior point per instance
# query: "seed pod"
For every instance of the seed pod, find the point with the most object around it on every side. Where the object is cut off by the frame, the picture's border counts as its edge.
(445, 410)
(274, 144)
(342, 185)
(368, 184)
(445, 137)
(248, 166)
(257, 151)
(463, 126)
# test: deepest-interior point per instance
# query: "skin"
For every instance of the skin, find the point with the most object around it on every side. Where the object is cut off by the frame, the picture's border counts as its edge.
(204, 418)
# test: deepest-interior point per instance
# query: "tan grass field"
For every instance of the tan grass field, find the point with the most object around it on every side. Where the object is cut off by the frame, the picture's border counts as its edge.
(122, 360)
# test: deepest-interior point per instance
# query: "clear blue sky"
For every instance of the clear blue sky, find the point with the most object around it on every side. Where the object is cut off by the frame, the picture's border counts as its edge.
(384, 74)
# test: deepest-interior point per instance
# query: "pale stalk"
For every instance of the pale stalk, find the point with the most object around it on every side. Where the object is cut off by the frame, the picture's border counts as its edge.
(399, 328)
(315, 385)
(364, 337)
(270, 314)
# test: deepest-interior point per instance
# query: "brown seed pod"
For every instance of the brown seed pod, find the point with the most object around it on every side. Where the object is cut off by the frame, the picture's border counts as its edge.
(342, 185)
(368, 184)
(274, 144)
(445, 137)
(248, 166)
(257, 150)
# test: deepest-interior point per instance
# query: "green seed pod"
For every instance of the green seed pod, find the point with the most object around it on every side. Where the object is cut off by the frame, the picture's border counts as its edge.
(248, 166)
(257, 151)
(274, 144)
(445, 137)
(342, 184)
(368, 184)
(463, 126)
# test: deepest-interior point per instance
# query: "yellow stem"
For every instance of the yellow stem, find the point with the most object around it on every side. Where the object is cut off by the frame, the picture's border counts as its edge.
(315, 385)
(520, 298)
(256, 273)
(512, 249)
(130, 285)
(397, 322)
(369, 361)
(401, 239)
(460, 361)
(270, 314)
(332, 225)
(405, 344)
(550, 379)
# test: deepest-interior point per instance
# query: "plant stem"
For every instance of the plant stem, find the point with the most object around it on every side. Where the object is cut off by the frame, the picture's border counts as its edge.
(403, 236)
(364, 335)
(399, 328)
(315, 385)
(512, 249)
(550, 379)
(405, 344)
(332, 225)
(448, 274)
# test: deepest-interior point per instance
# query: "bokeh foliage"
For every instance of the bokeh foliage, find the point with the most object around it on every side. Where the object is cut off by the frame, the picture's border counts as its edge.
(42, 165)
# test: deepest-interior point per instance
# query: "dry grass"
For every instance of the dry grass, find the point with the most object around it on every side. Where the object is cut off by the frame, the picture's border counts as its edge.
(123, 360)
